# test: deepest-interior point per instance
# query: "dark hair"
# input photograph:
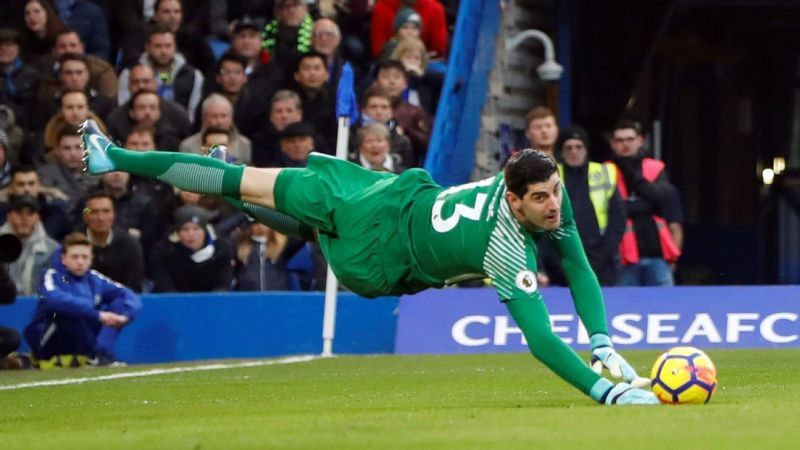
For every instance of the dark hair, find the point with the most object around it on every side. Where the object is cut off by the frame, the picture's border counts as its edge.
(72, 57)
(375, 90)
(67, 130)
(97, 192)
(526, 167)
(157, 28)
(23, 168)
(74, 238)
(53, 26)
(232, 57)
(140, 93)
(143, 128)
(391, 64)
(310, 54)
(213, 130)
(158, 3)
(65, 31)
(626, 124)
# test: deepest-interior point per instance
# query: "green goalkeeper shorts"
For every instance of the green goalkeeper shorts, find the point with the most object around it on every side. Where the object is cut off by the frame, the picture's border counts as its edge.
(348, 204)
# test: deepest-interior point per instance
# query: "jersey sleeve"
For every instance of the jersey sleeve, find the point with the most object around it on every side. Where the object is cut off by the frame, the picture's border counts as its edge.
(582, 281)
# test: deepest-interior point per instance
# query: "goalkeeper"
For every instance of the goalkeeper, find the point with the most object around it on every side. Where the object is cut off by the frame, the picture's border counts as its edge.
(385, 234)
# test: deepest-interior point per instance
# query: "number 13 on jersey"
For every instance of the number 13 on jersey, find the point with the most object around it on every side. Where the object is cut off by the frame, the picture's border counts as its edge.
(469, 207)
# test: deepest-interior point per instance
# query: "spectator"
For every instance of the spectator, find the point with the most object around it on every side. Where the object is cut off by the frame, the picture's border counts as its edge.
(74, 111)
(217, 112)
(37, 248)
(177, 80)
(231, 81)
(66, 172)
(102, 77)
(130, 19)
(79, 311)
(89, 21)
(145, 109)
(297, 141)
(542, 130)
(52, 202)
(117, 254)
(289, 35)
(373, 149)
(318, 99)
(14, 136)
(74, 75)
(434, 26)
(263, 79)
(223, 14)
(648, 248)
(174, 117)
(423, 85)
(377, 108)
(325, 40)
(416, 123)
(285, 108)
(597, 207)
(169, 13)
(196, 260)
(18, 81)
(258, 260)
(5, 162)
(246, 42)
(39, 30)
(407, 24)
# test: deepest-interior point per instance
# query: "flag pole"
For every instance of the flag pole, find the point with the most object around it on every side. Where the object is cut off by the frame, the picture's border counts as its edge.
(346, 108)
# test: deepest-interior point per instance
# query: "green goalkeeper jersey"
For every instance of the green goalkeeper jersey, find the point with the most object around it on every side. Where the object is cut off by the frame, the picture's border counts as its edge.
(468, 231)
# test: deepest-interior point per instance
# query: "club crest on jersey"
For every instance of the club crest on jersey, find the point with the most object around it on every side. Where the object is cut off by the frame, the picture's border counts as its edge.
(526, 280)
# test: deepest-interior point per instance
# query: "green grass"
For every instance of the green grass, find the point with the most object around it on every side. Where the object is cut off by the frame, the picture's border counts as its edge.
(483, 401)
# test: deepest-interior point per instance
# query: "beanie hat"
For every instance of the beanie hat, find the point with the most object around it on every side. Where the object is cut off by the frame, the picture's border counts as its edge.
(405, 15)
(190, 214)
(573, 132)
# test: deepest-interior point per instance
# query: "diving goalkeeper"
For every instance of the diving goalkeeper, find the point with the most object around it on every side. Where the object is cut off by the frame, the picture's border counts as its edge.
(386, 234)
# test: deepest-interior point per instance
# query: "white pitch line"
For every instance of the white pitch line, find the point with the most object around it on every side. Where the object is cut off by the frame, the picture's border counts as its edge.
(153, 372)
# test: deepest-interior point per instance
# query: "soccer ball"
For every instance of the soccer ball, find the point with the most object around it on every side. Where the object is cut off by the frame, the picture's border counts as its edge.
(684, 375)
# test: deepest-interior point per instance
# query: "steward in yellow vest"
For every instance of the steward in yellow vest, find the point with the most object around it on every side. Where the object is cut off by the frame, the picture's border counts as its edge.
(597, 205)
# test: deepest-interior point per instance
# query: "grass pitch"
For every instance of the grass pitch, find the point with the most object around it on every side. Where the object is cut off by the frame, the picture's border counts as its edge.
(484, 401)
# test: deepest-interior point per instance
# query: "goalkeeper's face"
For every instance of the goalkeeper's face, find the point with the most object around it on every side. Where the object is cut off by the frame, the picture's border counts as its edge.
(540, 207)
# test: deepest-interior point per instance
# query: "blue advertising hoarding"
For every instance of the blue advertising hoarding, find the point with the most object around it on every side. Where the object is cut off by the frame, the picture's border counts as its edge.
(475, 321)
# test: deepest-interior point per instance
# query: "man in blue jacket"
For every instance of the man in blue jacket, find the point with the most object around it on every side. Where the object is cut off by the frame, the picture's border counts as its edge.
(80, 312)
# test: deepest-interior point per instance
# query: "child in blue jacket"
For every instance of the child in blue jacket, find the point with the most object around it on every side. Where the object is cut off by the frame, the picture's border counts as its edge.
(80, 311)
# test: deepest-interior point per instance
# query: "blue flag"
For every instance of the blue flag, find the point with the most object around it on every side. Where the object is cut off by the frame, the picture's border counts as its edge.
(346, 104)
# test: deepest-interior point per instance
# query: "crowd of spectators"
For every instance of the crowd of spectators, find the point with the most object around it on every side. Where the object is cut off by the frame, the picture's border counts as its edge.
(259, 77)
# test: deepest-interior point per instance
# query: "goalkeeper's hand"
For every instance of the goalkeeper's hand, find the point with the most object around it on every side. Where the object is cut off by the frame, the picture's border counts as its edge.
(604, 355)
(625, 394)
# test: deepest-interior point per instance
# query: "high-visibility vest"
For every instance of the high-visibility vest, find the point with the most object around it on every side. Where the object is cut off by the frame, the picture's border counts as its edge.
(628, 248)
(602, 185)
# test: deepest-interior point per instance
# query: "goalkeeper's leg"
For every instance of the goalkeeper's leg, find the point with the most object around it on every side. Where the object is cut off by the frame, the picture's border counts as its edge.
(278, 221)
(189, 172)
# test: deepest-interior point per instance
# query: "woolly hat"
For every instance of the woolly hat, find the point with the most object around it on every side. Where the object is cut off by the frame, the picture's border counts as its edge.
(573, 132)
(405, 15)
(191, 214)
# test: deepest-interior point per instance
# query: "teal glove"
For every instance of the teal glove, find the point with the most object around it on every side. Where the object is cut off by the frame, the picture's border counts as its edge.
(604, 355)
(625, 394)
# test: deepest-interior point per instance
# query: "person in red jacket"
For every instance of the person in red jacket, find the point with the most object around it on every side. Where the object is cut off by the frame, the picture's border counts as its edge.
(434, 27)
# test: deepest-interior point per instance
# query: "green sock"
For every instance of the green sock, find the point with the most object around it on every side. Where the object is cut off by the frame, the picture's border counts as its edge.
(532, 318)
(278, 221)
(185, 171)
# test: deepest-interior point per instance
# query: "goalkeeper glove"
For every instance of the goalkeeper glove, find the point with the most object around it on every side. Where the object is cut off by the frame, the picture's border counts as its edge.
(604, 355)
(625, 394)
